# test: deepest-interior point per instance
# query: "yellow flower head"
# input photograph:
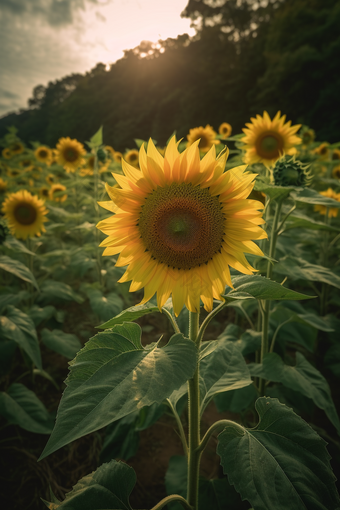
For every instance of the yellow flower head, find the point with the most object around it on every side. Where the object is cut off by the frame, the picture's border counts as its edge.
(3, 185)
(132, 157)
(322, 150)
(25, 214)
(70, 154)
(118, 157)
(110, 151)
(206, 137)
(267, 140)
(225, 129)
(336, 154)
(51, 179)
(56, 193)
(44, 192)
(44, 154)
(6, 153)
(13, 172)
(179, 223)
(336, 172)
(332, 211)
(83, 172)
(16, 148)
(26, 164)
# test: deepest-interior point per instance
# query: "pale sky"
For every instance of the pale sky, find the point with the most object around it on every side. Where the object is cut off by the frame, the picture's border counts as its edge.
(44, 40)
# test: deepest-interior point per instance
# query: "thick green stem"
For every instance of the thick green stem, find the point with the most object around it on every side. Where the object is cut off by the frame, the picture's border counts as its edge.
(266, 304)
(218, 425)
(168, 499)
(194, 421)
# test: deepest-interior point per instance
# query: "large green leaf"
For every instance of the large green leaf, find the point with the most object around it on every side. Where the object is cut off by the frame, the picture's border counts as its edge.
(39, 315)
(113, 375)
(273, 191)
(262, 288)
(14, 244)
(236, 401)
(282, 463)
(18, 326)
(299, 269)
(303, 378)
(105, 306)
(18, 269)
(13, 299)
(109, 487)
(65, 344)
(50, 290)
(310, 196)
(130, 314)
(332, 359)
(224, 369)
(299, 220)
(21, 406)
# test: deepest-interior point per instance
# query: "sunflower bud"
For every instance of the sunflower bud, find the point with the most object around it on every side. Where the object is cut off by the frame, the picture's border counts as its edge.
(101, 155)
(289, 171)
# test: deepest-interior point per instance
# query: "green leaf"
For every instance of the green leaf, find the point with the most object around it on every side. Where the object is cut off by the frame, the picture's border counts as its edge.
(130, 314)
(22, 407)
(39, 315)
(113, 375)
(121, 439)
(262, 288)
(50, 290)
(108, 487)
(7, 351)
(97, 139)
(236, 401)
(17, 326)
(14, 244)
(13, 299)
(281, 463)
(310, 196)
(65, 344)
(272, 191)
(303, 378)
(332, 359)
(18, 269)
(299, 269)
(105, 306)
(299, 220)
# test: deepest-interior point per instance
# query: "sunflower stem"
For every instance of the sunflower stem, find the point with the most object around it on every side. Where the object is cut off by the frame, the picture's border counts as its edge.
(194, 454)
(266, 304)
(98, 256)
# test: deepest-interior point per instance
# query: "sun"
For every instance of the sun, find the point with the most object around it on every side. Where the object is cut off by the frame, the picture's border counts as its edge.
(266, 140)
(179, 223)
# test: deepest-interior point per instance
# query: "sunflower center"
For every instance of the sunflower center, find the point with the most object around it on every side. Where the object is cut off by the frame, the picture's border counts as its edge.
(70, 154)
(269, 145)
(25, 214)
(43, 153)
(203, 142)
(25, 163)
(182, 225)
(336, 155)
(323, 151)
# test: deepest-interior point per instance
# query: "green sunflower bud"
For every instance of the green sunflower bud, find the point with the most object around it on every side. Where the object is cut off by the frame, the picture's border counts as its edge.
(289, 171)
(101, 155)
(307, 135)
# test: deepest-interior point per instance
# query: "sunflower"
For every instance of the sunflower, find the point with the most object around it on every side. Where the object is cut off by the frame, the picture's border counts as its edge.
(110, 151)
(225, 129)
(3, 185)
(56, 194)
(267, 140)
(322, 150)
(16, 148)
(26, 164)
(336, 172)
(180, 222)
(44, 154)
(206, 137)
(51, 179)
(83, 172)
(44, 192)
(118, 156)
(336, 154)
(13, 172)
(25, 214)
(6, 153)
(322, 209)
(70, 154)
(132, 157)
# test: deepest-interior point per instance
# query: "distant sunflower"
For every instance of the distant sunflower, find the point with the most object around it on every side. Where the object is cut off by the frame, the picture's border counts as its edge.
(225, 129)
(83, 172)
(131, 157)
(336, 154)
(110, 151)
(26, 164)
(13, 172)
(25, 214)
(51, 179)
(336, 172)
(70, 154)
(6, 153)
(57, 193)
(206, 137)
(322, 209)
(44, 192)
(3, 185)
(267, 140)
(118, 157)
(322, 150)
(180, 222)
(16, 148)
(44, 154)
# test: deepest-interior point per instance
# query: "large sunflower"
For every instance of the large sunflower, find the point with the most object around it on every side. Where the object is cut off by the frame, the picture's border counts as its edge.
(205, 136)
(44, 154)
(267, 140)
(180, 222)
(70, 154)
(25, 214)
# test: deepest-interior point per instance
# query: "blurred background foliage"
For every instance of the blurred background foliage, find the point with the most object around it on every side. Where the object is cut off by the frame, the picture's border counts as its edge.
(247, 56)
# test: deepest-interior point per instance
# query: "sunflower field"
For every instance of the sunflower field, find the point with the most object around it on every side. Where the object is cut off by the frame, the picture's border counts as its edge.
(169, 321)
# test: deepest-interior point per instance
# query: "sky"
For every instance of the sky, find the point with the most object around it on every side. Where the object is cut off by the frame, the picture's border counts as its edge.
(45, 40)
